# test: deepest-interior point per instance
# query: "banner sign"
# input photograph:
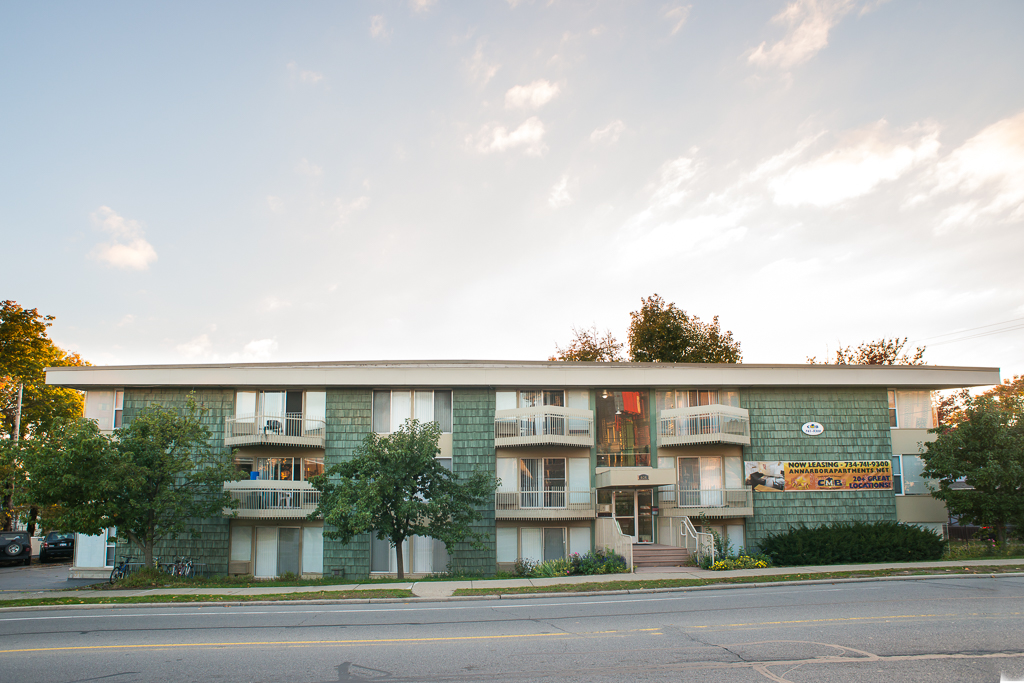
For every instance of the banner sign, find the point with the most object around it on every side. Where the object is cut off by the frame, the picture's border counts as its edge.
(842, 475)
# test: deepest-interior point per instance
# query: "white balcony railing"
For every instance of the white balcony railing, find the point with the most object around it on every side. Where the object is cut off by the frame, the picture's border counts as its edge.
(551, 503)
(544, 426)
(291, 429)
(704, 424)
(675, 497)
(272, 499)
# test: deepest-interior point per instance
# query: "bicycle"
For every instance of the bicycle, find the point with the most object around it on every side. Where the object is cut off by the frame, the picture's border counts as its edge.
(121, 571)
(182, 568)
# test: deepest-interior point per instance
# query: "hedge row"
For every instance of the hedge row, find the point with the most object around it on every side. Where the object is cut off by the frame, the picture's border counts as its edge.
(853, 542)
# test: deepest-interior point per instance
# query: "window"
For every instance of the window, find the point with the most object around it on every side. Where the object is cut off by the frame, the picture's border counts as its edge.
(288, 413)
(623, 429)
(111, 546)
(424, 555)
(392, 408)
(118, 407)
(703, 479)
(528, 398)
(543, 483)
(284, 468)
(914, 410)
(892, 409)
(907, 477)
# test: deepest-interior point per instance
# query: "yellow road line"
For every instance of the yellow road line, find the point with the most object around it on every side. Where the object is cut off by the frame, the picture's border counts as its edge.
(321, 642)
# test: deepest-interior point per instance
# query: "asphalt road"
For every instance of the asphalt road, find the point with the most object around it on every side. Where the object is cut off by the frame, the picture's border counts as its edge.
(939, 629)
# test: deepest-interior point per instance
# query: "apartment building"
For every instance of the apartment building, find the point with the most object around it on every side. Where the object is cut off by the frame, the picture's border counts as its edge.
(624, 455)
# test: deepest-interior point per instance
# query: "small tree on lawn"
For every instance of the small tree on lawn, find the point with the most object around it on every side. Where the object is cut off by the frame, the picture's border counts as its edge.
(396, 488)
(151, 480)
(985, 451)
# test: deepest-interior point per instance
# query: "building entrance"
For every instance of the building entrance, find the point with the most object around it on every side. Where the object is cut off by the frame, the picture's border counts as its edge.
(632, 509)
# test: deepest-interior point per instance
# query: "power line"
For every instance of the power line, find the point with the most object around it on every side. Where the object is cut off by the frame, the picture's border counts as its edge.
(980, 334)
(969, 329)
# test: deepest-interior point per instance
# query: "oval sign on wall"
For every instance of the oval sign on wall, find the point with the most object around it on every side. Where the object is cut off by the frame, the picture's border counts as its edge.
(813, 428)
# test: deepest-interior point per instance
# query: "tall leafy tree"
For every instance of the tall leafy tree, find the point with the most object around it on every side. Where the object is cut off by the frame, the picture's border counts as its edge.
(590, 345)
(395, 488)
(27, 403)
(25, 350)
(661, 332)
(979, 463)
(879, 352)
(153, 480)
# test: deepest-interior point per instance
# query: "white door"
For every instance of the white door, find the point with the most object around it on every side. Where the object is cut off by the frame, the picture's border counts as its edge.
(266, 552)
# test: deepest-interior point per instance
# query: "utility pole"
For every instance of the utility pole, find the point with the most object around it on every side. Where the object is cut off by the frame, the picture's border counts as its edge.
(17, 415)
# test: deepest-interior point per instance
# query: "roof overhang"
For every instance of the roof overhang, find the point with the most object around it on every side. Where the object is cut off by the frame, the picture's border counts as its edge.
(520, 374)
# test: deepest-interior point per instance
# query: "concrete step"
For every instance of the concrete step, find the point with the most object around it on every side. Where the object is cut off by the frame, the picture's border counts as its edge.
(656, 555)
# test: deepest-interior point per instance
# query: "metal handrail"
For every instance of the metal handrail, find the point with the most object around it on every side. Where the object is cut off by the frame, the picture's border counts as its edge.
(703, 543)
(555, 424)
(704, 424)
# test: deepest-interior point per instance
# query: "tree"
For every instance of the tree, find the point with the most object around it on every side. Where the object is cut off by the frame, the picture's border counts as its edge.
(152, 480)
(396, 488)
(589, 345)
(881, 352)
(662, 333)
(25, 350)
(979, 463)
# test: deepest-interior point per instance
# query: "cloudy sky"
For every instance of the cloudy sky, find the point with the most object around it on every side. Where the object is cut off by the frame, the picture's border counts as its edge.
(200, 182)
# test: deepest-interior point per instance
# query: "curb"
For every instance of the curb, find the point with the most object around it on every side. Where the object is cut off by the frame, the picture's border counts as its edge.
(506, 596)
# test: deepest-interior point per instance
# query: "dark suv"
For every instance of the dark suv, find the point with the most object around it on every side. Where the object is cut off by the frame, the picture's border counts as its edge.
(15, 546)
(57, 544)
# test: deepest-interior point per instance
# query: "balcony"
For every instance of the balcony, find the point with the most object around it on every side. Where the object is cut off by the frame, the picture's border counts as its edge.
(291, 429)
(271, 499)
(704, 424)
(554, 503)
(714, 503)
(544, 426)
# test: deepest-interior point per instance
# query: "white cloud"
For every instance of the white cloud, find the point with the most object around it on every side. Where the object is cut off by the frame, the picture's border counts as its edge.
(305, 76)
(480, 70)
(259, 349)
(378, 27)
(532, 96)
(560, 196)
(273, 303)
(990, 168)
(808, 22)
(127, 320)
(196, 348)
(670, 190)
(276, 204)
(306, 168)
(677, 16)
(866, 159)
(127, 247)
(496, 138)
(346, 209)
(609, 133)
(422, 5)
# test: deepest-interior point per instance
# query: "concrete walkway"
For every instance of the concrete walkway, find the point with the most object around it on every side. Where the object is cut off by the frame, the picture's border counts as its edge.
(444, 589)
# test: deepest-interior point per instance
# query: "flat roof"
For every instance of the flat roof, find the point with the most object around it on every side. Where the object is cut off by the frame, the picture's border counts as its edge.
(496, 373)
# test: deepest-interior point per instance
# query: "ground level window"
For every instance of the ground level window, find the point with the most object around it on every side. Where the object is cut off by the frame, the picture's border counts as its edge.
(421, 555)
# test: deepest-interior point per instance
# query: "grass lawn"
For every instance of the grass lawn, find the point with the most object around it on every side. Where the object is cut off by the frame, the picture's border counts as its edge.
(144, 579)
(112, 600)
(637, 584)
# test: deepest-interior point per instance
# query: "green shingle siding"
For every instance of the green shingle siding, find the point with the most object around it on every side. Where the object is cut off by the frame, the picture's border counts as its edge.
(856, 425)
(349, 421)
(209, 545)
(472, 450)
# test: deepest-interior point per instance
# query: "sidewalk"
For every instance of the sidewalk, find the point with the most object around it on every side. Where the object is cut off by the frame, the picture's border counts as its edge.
(444, 589)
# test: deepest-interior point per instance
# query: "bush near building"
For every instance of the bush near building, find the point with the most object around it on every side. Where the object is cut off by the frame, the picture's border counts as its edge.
(847, 543)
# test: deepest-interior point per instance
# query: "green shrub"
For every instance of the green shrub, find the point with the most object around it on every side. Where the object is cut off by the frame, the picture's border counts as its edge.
(852, 542)
(594, 562)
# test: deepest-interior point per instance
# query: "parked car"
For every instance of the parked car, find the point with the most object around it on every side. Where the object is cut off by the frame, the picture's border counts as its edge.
(15, 546)
(57, 544)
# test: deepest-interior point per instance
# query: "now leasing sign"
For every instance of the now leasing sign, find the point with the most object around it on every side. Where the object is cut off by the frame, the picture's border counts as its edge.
(836, 475)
